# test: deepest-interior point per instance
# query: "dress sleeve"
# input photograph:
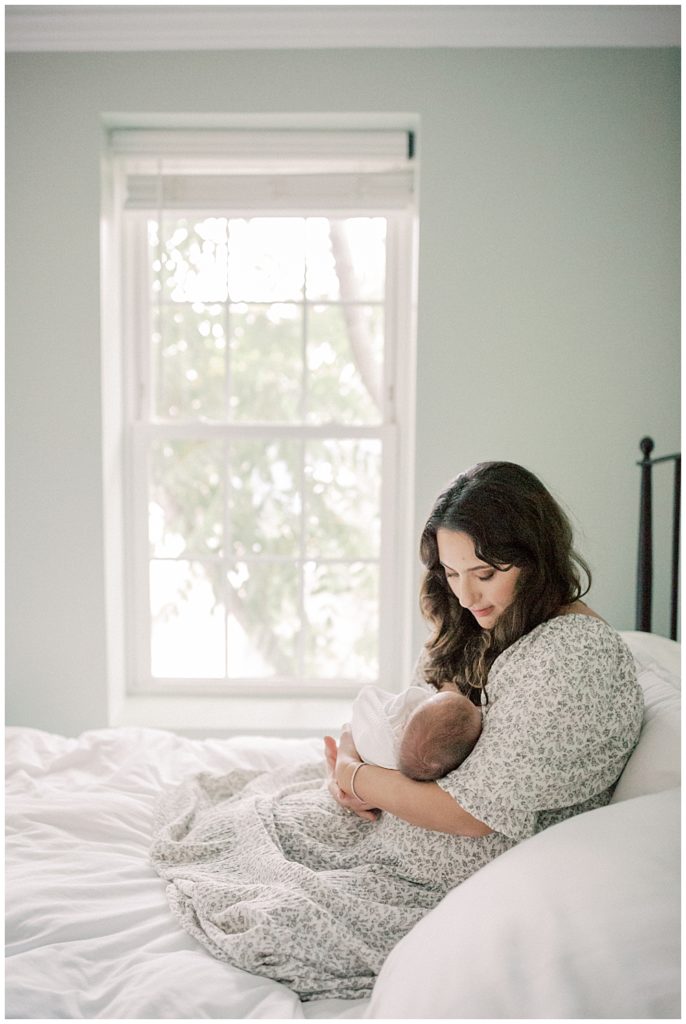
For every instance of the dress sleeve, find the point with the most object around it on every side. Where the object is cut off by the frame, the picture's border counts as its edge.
(565, 713)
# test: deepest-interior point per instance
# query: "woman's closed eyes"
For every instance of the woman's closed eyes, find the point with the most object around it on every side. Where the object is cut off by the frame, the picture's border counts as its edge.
(451, 574)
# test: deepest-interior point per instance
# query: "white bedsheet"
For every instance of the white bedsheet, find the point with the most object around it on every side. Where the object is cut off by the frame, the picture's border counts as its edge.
(89, 933)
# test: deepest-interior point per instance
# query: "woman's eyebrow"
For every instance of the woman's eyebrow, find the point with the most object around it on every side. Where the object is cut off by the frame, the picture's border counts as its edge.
(474, 568)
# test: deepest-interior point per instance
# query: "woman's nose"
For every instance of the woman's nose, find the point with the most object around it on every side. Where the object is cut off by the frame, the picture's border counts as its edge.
(467, 594)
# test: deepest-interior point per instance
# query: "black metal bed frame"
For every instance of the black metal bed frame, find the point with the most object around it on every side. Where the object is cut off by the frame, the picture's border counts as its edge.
(644, 576)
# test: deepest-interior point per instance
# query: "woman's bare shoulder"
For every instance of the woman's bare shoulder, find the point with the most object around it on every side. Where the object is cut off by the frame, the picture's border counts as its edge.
(579, 608)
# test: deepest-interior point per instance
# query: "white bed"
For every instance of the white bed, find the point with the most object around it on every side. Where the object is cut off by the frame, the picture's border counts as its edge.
(581, 921)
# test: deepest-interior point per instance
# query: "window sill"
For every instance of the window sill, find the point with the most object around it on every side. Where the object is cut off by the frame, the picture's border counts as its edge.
(236, 716)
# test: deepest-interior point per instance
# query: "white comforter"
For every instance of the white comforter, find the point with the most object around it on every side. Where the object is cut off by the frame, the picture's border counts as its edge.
(89, 931)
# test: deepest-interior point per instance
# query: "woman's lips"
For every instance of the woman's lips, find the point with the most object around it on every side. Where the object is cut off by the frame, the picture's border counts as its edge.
(480, 612)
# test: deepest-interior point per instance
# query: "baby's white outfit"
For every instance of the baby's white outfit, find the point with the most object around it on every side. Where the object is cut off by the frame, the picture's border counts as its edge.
(378, 720)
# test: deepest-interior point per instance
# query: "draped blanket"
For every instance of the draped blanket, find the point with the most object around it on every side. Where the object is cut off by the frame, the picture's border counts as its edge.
(270, 874)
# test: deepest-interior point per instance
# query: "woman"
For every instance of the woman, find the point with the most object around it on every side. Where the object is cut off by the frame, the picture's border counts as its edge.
(275, 876)
(499, 564)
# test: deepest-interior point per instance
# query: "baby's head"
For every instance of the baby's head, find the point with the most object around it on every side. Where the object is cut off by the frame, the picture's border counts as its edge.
(438, 735)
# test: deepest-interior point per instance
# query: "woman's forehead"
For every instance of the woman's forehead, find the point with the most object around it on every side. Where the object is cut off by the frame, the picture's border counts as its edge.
(458, 547)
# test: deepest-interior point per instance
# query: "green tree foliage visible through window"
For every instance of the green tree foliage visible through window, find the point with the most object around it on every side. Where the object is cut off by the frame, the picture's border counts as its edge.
(270, 321)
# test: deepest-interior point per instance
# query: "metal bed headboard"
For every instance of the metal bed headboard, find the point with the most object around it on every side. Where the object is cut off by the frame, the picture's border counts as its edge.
(644, 576)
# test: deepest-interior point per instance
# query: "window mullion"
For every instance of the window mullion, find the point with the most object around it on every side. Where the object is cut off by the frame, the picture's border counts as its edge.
(226, 548)
(137, 320)
(138, 288)
(206, 430)
(302, 634)
(140, 622)
(390, 321)
(226, 475)
(302, 612)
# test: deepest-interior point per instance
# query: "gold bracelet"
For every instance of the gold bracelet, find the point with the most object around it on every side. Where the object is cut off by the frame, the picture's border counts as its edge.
(352, 779)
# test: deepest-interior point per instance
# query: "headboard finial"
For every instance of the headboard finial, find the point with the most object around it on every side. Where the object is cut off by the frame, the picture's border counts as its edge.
(646, 445)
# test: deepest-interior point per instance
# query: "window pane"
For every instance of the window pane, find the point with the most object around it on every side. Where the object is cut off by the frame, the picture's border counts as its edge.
(346, 259)
(266, 362)
(343, 498)
(187, 631)
(189, 361)
(264, 497)
(345, 364)
(189, 258)
(263, 622)
(341, 606)
(186, 498)
(267, 259)
(322, 271)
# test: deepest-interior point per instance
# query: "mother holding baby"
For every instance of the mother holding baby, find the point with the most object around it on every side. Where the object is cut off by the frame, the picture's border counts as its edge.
(312, 881)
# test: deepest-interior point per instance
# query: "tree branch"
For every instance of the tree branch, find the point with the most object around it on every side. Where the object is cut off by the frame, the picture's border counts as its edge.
(358, 333)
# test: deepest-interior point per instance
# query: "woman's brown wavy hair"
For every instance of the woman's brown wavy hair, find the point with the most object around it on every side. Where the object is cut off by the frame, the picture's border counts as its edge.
(512, 520)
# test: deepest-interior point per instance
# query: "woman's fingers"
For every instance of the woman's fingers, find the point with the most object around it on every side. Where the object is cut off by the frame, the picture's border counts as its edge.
(330, 752)
(349, 804)
(330, 745)
(369, 815)
(363, 812)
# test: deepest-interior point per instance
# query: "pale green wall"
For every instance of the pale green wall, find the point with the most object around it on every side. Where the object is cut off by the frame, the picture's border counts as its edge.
(548, 297)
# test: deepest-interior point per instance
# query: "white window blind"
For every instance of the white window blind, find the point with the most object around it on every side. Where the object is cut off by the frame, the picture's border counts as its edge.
(279, 169)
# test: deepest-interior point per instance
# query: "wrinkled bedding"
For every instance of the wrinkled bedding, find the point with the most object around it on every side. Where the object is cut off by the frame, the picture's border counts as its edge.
(89, 931)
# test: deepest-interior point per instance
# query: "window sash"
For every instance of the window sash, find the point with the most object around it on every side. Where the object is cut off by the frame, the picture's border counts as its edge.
(140, 405)
(142, 680)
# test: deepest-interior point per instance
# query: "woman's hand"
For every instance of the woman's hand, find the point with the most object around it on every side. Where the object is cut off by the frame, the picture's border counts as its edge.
(338, 755)
(420, 803)
(347, 751)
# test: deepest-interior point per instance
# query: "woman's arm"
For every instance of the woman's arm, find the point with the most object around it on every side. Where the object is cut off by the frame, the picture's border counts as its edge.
(420, 803)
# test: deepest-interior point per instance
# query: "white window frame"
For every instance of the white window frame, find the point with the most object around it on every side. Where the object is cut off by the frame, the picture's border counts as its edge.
(127, 431)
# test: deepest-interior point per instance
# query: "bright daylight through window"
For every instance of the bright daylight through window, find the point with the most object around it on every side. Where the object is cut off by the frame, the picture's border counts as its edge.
(266, 305)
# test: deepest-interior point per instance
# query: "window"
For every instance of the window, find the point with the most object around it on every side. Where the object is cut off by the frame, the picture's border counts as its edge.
(266, 317)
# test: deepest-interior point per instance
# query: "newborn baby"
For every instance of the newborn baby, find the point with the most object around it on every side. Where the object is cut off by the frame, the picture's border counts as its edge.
(425, 736)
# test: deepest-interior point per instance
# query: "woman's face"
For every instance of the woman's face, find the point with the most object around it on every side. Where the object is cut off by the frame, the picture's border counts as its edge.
(483, 590)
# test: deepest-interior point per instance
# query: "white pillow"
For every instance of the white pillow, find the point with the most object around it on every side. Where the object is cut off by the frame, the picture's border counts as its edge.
(656, 762)
(581, 920)
(653, 649)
